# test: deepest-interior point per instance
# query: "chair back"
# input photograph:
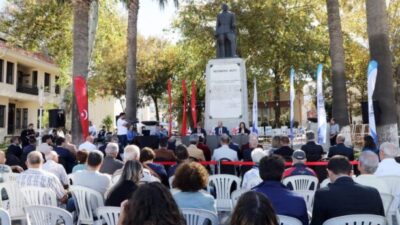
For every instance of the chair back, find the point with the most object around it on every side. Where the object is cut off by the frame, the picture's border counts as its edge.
(386, 201)
(393, 182)
(109, 215)
(287, 220)
(199, 217)
(236, 195)
(115, 178)
(86, 201)
(308, 197)
(4, 217)
(301, 182)
(16, 201)
(357, 219)
(324, 183)
(254, 182)
(47, 215)
(170, 181)
(226, 169)
(71, 179)
(39, 196)
(223, 184)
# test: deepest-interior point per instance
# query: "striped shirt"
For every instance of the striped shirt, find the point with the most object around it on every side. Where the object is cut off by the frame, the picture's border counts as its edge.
(41, 178)
(56, 169)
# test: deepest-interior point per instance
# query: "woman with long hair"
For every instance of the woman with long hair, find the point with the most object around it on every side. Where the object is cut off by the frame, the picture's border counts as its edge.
(151, 204)
(369, 144)
(243, 129)
(126, 185)
(253, 208)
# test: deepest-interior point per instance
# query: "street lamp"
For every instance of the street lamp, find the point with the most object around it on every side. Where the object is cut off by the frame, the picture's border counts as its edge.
(41, 99)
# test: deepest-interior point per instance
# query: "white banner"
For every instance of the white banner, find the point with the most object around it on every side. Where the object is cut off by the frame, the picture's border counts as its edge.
(372, 73)
(321, 107)
(292, 97)
(255, 109)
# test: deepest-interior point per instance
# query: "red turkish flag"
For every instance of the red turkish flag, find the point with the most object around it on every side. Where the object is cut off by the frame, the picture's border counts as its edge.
(193, 105)
(81, 96)
(170, 107)
(183, 130)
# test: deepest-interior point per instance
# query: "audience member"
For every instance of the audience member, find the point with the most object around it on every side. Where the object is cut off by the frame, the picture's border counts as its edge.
(5, 168)
(275, 144)
(206, 150)
(182, 156)
(122, 129)
(253, 208)
(51, 165)
(285, 151)
(388, 166)
(333, 131)
(220, 129)
(111, 163)
(224, 152)
(343, 196)
(27, 149)
(191, 178)
(313, 151)
(172, 143)
(44, 148)
(367, 165)
(163, 153)
(147, 157)
(253, 174)
(243, 129)
(284, 201)
(66, 158)
(68, 145)
(153, 204)
(88, 144)
(35, 176)
(81, 158)
(14, 153)
(91, 177)
(195, 153)
(341, 149)
(126, 185)
(47, 139)
(369, 144)
(299, 165)
(253, 143)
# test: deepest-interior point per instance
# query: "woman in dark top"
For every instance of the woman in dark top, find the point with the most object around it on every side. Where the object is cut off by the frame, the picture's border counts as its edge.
(126, 185)
(369, 144)
(243, 129)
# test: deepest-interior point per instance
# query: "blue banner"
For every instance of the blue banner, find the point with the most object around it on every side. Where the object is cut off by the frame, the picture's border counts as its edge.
(255, 109)
(292, 97)
(321, 107)
(372, 73)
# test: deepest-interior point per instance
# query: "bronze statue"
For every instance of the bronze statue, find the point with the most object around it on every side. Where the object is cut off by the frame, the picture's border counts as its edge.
(225, 33)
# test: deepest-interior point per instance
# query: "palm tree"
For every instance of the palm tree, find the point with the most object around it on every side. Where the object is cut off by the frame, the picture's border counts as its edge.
(80, 57)
(339, 104)
(131, 84)
(377, 24)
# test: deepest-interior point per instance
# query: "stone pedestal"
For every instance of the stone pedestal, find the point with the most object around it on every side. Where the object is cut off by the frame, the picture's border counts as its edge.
(226, 93)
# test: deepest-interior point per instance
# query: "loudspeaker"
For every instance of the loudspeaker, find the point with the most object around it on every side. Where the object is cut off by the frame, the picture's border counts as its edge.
(56, 118)
(364, 111)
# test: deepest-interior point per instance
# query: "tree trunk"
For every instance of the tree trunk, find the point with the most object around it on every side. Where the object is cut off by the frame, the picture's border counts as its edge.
(80, 59)
(277, 99)
(398, 93)
(377, 24)
(339, 103)
(155, 100)
(131, 88)
(93, 21)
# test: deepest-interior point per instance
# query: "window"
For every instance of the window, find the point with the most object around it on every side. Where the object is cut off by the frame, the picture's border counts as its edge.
(10, 73)
(34, 78)
(57, 88)
(47, 82)
(1, 69)
(2, 115)
(18, 119)
(24, 118)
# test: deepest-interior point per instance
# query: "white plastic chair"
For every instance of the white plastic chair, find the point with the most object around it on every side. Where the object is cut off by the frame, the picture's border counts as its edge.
(4, 217)
(47, 215)
(386, 201)
(199, 216)
(170, 181)
(109, 215)
(287, 220)
(115, 178)
(308, 197)
(301, 182)
(236, 195)
(16, 200)
(393, 213)
(39, 196)
(325, 183)
(223, 184)
(254, 182)
(357, 219)
(86, 200)
(70, 179)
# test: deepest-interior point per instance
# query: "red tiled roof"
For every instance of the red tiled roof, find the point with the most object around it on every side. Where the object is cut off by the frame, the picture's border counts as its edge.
(35, 55)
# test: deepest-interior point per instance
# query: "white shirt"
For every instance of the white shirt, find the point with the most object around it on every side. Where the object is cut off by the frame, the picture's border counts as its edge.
(92, 130)
(56, 169)
(251, 175)
(373, 181)
(88, 146)
(95, 180)
(121, 128)
(225, 152)
(334, 129)
(388, 167)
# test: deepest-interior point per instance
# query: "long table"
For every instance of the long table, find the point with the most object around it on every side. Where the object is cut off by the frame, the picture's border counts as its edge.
(213, 140)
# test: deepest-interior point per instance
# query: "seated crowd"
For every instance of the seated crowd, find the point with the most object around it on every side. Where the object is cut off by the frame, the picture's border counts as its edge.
(150, 192)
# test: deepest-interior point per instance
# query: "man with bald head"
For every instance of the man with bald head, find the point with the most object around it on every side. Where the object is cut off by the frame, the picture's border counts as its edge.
(37, 177)
(341, 149)
(88, 144)
(388, 166)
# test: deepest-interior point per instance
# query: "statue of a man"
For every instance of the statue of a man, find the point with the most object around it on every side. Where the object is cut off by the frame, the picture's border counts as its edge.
(225, 33)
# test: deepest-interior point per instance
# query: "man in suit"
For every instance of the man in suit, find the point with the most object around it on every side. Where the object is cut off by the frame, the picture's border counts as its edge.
(313, 151)
(341, 149)
(343, 196)
(220, 129)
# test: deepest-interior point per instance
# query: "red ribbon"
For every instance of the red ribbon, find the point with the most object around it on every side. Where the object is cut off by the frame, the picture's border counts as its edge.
(170, 107)
(240, 163)
(80, 89)
(183, 130)
(193, 104)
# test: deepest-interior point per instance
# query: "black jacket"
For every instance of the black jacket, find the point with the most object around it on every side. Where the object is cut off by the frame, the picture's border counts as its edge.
(313, 151)
(285, 151)
(345, 197)
(341, 149)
